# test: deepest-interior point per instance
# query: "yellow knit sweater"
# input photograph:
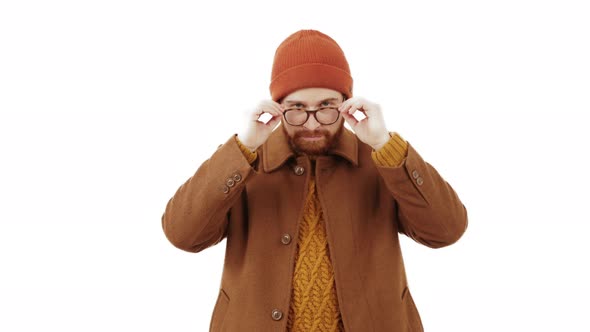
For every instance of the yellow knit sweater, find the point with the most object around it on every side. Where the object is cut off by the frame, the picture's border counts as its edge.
(314, 303)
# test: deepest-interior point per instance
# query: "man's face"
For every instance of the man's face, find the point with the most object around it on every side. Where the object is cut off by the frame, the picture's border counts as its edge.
(312, 138)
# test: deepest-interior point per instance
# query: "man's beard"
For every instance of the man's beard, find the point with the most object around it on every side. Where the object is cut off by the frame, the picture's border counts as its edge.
(313, 148)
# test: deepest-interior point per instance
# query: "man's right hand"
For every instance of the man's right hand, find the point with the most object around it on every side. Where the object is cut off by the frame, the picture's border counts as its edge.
(257, 132)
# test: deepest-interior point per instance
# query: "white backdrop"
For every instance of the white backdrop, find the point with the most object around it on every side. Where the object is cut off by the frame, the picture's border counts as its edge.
(107, 107)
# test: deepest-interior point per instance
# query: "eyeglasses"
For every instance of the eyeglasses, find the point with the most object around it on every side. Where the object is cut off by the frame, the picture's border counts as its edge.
(324, 115)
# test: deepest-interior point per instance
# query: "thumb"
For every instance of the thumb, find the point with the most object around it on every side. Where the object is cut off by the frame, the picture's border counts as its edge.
(351, 120)
(273, 122)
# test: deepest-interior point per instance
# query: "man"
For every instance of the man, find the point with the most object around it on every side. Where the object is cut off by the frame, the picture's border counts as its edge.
(312, 211)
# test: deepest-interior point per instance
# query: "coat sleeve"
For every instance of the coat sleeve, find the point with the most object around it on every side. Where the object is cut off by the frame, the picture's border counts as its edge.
(196, 217)
(429, 210)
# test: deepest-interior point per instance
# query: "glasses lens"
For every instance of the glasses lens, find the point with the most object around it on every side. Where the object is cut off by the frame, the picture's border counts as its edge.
(296, 117)
(327, 115)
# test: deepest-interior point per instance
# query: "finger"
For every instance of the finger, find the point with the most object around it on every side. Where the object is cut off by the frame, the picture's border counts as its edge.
(276, 113)
(264, 107)
(255, 115)
(272, 112)
(271, 109)
(259, 114)
(351, 120)
(344, 105)
(350, 101)
(266, 117)
(357, 106)
(273, 122)
(345, 108)
(350, 109)
(258, 111)
(371, 109)
(276, 104)
(278, 108)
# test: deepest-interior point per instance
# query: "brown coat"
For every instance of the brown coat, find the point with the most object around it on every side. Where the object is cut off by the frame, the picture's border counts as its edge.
(258, 207)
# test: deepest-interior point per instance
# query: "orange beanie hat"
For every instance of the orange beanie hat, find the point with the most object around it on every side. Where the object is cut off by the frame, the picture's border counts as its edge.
(306, 59)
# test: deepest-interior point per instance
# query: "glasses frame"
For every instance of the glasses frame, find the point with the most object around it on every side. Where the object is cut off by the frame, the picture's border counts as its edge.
(307, 112)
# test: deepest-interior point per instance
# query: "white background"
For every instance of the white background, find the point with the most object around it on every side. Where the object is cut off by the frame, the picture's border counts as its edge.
(107, 107)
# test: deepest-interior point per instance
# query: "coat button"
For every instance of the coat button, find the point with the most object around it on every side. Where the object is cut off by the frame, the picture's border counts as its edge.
(237, 177)
(299, 170)
(415, 174)
(286, 239)
(419, 181)
(225, 189)
(230, 182)
(277, 314)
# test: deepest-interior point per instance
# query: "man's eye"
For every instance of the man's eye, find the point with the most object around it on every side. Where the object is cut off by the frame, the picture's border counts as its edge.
(326, 103)
(298, 105)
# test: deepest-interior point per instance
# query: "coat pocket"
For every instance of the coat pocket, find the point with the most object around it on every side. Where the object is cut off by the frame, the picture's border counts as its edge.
(219, 312)
(411, 312)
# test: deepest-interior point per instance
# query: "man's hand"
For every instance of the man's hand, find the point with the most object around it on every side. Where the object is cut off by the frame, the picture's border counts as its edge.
(254, 133)
(370, 130)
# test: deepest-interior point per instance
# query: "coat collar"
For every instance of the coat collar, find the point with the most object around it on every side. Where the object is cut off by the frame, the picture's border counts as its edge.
(276, 149)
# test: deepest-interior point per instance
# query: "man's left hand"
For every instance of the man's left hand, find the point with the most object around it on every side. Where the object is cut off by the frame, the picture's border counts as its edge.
(371, 130)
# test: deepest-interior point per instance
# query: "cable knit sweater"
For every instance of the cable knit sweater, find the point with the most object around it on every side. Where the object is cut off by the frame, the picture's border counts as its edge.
(314, 303)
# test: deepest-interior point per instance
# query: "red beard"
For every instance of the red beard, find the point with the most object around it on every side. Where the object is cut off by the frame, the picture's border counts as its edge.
(318, 147)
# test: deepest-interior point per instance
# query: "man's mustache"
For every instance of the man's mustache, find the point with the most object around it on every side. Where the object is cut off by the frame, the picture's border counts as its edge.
(311, 134)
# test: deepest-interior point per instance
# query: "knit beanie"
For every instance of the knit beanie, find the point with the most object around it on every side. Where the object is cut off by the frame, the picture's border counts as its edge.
(306, 59)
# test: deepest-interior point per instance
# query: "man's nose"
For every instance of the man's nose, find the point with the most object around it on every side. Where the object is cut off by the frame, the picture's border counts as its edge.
(311, 123)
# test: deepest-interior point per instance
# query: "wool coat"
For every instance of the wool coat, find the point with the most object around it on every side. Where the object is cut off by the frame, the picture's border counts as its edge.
(257, 208)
